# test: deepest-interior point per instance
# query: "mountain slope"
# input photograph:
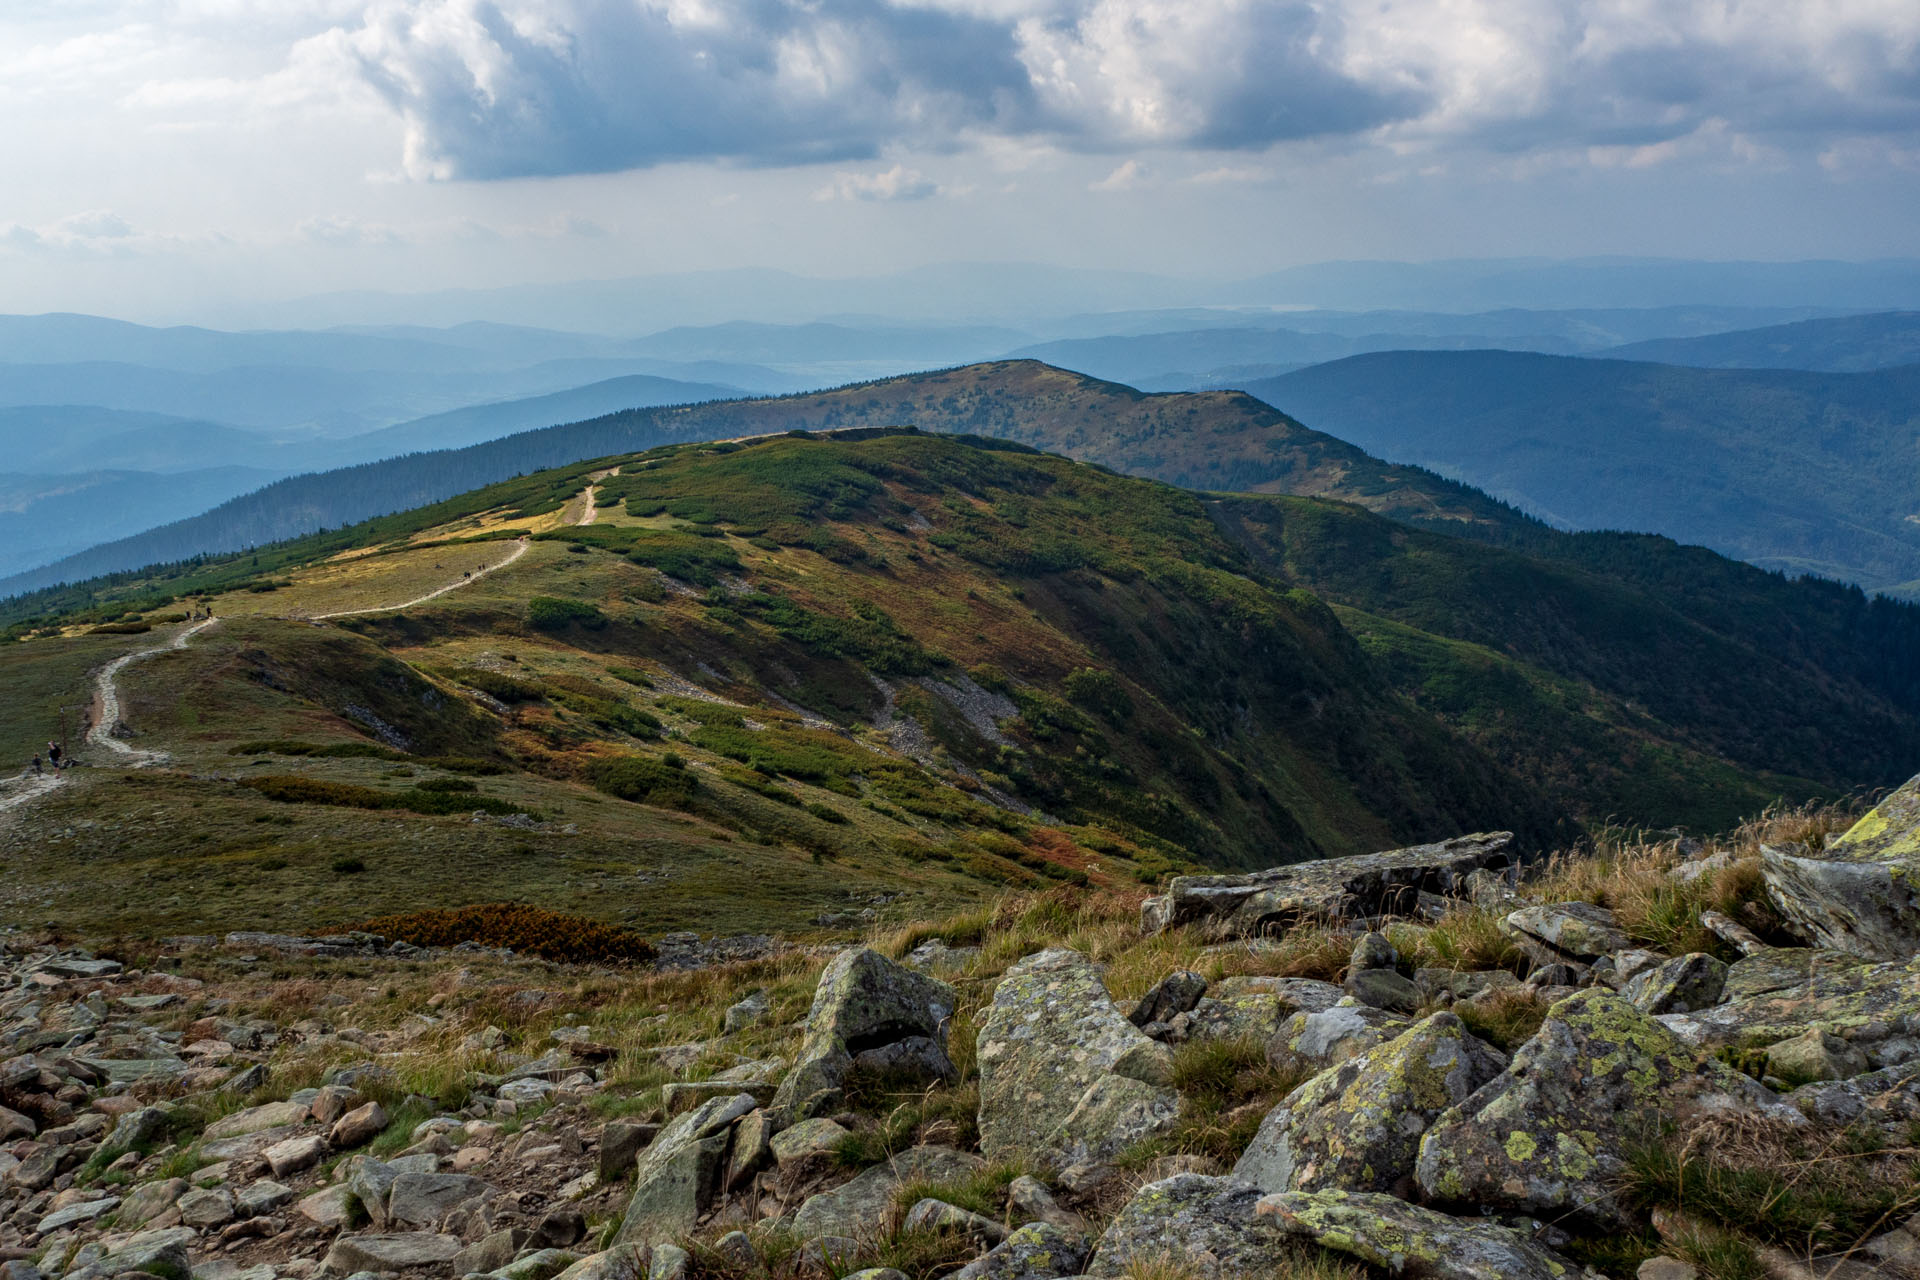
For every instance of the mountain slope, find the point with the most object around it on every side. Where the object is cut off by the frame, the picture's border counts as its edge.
(1802, 472)
(1247, 445)
(1843, 344)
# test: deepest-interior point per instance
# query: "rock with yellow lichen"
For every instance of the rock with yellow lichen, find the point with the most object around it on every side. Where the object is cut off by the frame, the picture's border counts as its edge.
(1411, 1242)
(1548, 1135)
(1357, 1126)
(1207, 1226)
(1861, 893)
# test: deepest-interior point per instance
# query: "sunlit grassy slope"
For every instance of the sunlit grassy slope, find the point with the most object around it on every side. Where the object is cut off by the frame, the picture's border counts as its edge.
(780, 680)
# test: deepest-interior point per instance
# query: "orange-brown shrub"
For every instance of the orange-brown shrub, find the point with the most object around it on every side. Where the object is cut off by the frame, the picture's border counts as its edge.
(553, 935)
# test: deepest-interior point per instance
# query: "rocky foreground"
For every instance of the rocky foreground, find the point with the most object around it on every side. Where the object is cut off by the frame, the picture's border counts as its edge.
(1425, 1063)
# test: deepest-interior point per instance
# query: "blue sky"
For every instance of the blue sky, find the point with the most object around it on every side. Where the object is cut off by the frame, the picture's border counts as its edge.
(168, 155)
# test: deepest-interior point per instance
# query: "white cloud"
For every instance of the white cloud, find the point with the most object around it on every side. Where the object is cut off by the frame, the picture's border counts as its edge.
(897, 183)
(1124, 177)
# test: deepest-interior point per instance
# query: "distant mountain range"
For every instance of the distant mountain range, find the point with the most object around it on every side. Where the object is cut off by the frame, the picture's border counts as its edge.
(1840, 344)
(1796, 471)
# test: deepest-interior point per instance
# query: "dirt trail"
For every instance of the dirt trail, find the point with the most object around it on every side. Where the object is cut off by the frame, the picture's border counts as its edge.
(589, 510)
(106, 698)
(26, 787)
(519, 549)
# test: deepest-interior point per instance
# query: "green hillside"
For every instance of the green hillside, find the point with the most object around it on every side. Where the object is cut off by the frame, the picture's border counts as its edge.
(756, 682)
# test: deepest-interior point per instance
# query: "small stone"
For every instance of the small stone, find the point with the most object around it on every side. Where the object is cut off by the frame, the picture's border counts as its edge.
(328, 1208)
(212, 1207)
(751, 1010)
(295, 1154)
(397, 1252)
(937, 1215)
(490, 1252)
(621, 1142)
(1383, 989)
(261, 1197)
(1815, 1055)
(1372, 951)
(1665, 1268)
(1176, 993)
(737, 1248)
(809, 1138)
(334, 1101)
(361, 1125)
(1028, 1200)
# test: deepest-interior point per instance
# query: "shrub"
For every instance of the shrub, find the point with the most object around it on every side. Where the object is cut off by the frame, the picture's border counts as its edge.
(553, 613)
(1101, 693)
(119, 629)
(348, 866)
(645, 780)
(553, 935)
(292, 789)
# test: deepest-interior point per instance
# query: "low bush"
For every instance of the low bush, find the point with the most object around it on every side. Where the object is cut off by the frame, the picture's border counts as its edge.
(645, 780)
(292, 789)
(555, 613)
(553, 935)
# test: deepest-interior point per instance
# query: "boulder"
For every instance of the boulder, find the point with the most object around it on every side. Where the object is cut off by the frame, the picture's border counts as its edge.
(1372, 951)
(1206, 1226)
(1463, 984)
(1560, 931)
(75, 1214)
(1036, 1251)
(328, 1208)
(149, 1201)
(1859, 894)
(685, 1095)
(489, 1253)
(1383, 989)
(212, 1207)
(1369, 886)
(862, 1209)
(929, 1214)
(369, 1183)
(1028, 1200)
(1816, 1054)
(1318, 1040)
(1875, 1008)
(1058, 1061)
(1547, 1136)
(1357, 1126)
(806, 1140)
(397, 1252)
(621, 1143)
(1408, 1241)
(1174, 994)
(261, 1197)
(273, 1115)
(1681, 985)
(622, 1262)
(13, 1125)
(676, 1178)
(136, 1129)
(1256, 1007)
(541, 1264)
(750, 1010)
(295, 1154)
(152, 1253)
(361, 1125)
(423, 1199)
(864, 1002)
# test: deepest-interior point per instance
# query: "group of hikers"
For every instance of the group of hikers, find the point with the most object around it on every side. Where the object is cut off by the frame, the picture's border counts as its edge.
(56, 758)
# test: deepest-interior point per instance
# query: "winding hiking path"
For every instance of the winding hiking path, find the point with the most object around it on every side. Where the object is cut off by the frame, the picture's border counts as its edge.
(106, 698)
(519, 549)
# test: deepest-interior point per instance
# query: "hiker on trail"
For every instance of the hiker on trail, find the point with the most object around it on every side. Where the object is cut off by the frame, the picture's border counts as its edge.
(36, 764)
(53, 754)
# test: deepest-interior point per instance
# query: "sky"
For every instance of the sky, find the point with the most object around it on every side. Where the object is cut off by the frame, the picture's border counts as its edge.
(164, 158)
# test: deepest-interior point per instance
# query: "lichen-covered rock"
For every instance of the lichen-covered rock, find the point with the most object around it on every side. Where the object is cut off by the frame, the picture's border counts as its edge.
(1357, 1126)
(1409, 1241)
(864, 1002)
(1383, 989)
(930, 1214)
(1036, 1251)
(1050, 1050)
(862, 1209)
(1372, 951)
(1681, 985)
(1207, 1226)
(1564, 931)
(1372, 885)
(1860, 894)
(1314, 1041)
(676, 1178)
(1816, 1054)
(1462, 984)
(1875, 1008)
(1888, 1099)
(1256, 1007)
(1547, 1135)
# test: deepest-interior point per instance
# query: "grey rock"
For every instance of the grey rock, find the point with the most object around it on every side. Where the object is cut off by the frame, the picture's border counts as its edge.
(1318, 1040)
(1548, 1135)
(149, 1201)
(370, 1183)
(751, 1010)
(930, 1214)
(1057, 1060)
(423, 1199)
(862, 1209)
(1410, 1241)
(1372, 951)
(863, 1001)
(622, 1262)
(1383, 989)
(687, 1094)
(212, 1207)
(807, 1140)
(1370, 886)
(542, 1264)
(1028, 1200)
(621, 1142)
(401, 1251)
(1681, 985)
(163, 1257)
(75, 1214)
(1175, 993)
(737, 1248)
(1565, 931)
(1858, 894)
(294, 1155)
(261, 1197)
(271, 1115)
(135, 1129)
(1256, 1007)
(1036, 1251)
(751, 1150)
(1463, 984)
(361, 1125)
(1207, 1224)
(489, 1253)
(1357, 1126)
(677, 1177)
(328, 1208)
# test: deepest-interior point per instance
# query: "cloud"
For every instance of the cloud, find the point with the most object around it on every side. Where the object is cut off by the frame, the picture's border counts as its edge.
(897, 183)
(341, 232)
(1126, 175)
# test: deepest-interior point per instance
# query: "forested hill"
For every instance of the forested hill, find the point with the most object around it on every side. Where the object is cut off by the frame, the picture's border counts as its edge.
(1210, 440)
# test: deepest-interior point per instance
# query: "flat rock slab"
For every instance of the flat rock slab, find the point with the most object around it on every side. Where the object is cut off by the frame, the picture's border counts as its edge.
(1371, 885)
(1871, 1006)
(274, 1115)
(400, 1251)
(1412, 1242)
(1207, 1226)
(863, 1208)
